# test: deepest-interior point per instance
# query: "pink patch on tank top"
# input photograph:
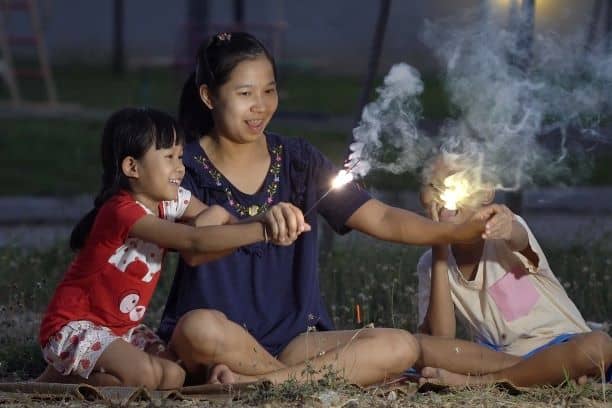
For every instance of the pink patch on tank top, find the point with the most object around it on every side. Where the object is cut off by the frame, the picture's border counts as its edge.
(514, 294)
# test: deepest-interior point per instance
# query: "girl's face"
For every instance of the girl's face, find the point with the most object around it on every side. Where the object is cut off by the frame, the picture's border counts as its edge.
(159, 173)
(244, 105)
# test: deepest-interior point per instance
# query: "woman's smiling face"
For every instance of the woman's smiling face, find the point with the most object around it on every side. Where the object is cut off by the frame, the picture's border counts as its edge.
(244, 105)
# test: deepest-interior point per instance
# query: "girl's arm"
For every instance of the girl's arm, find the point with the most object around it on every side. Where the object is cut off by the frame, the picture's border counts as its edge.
(282, 224)
(213, 215)
(214, 238)
(397, 225)
(440, 317)
(193, 210)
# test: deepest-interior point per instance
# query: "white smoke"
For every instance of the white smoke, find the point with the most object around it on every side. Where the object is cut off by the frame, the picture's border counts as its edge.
(514, 107)
(387, 137)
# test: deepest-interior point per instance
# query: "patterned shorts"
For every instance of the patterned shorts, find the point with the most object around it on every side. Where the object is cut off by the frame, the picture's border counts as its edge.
(76, 348)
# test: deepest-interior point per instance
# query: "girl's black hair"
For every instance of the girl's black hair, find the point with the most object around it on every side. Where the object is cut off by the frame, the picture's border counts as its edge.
(216, 59)
(128, 132)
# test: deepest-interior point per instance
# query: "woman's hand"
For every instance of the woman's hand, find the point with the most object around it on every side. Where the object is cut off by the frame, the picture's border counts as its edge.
(284, 222)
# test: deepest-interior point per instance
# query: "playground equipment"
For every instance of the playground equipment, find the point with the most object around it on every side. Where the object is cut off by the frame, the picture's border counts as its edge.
(34, 39)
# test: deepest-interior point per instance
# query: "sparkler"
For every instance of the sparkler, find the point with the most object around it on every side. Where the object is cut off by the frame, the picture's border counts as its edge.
(456, 189)
(463, 187)
(343, 177)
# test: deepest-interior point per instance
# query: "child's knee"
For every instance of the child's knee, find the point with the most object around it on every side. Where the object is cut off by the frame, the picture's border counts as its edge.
(173, 375)
(147, 372)
(601, 343)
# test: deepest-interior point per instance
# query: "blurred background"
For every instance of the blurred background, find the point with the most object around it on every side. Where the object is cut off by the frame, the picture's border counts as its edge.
(65, 65)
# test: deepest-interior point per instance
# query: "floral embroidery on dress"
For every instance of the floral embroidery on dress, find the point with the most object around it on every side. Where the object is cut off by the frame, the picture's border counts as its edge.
(271, 189)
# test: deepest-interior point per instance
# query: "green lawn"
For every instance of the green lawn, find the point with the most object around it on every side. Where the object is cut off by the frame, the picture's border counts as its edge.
(300, 90)
(60, 156)
(378, 276)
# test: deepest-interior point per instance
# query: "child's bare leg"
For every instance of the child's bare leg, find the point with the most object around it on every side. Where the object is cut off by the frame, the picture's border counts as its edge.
(51, 375)
(123, 364)
(134, 367)
(461, 356)
(207, 337)
(362, 357)
(588, 354)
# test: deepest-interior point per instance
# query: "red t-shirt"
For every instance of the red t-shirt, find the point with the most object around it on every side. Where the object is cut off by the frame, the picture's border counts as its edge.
(113, 277)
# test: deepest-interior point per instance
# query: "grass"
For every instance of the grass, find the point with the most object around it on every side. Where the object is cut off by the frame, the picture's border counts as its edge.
(380, 277)
(301, 89)
(49, 157)
(60, 156)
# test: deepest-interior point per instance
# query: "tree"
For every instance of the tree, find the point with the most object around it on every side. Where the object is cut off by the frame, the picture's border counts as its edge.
(118, 38)
(375, 52)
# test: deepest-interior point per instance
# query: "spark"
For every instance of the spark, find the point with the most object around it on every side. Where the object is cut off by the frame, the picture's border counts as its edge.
(456, 189)
(343, 177)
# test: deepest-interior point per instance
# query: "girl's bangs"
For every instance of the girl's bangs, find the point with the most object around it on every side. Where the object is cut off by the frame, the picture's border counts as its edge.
(166, 131)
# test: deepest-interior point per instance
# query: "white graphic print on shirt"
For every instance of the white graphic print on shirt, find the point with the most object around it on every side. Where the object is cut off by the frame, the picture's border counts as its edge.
(137, 250)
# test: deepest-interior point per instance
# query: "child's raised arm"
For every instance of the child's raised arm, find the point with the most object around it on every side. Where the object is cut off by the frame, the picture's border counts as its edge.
(440, 316)
(505, 226)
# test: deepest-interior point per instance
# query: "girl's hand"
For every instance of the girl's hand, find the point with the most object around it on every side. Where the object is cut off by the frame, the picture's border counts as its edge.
(438, 251)
(284, 222)
(434, 212)
(499, 225)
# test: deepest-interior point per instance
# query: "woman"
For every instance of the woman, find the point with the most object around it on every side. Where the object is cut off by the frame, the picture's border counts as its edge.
(247, 310)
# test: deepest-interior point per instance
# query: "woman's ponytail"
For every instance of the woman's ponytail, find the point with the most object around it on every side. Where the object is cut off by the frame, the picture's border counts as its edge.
(194, 117)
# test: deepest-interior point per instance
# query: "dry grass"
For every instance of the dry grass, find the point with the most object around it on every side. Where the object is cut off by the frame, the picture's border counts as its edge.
(379, 277)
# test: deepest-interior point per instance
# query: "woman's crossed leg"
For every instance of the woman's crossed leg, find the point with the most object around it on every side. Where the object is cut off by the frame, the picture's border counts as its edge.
(366, 356)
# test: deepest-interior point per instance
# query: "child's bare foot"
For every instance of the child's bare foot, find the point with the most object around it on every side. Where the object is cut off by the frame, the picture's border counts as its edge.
(443, 377)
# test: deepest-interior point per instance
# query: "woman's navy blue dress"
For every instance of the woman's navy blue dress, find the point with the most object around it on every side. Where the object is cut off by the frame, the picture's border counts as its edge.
(272, 291)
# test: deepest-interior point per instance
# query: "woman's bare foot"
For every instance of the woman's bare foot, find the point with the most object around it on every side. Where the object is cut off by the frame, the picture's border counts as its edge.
(222, 374)
(443, 377)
